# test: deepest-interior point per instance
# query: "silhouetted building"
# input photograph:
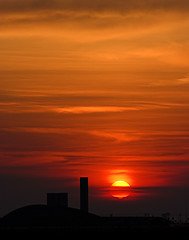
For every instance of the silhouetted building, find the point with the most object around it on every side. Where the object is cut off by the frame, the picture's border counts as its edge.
(84, 194)
(57, 215)
(57, 199)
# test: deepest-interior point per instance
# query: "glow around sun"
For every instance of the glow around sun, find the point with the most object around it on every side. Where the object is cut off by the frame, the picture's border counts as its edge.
(120, 184)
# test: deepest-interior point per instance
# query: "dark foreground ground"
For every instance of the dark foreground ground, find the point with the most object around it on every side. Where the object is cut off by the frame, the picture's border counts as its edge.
(176, 231)
(44, 222)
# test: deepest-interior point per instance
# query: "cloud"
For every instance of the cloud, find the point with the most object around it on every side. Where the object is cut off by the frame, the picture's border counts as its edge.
(92, 109)
(32, 108)
(95, 5)
(32, 103)
(183, 80)
(95, 14)
(134, 30)
(119, 136)
(37, 108)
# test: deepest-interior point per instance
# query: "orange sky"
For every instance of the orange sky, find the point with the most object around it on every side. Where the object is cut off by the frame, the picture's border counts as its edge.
(95, 88)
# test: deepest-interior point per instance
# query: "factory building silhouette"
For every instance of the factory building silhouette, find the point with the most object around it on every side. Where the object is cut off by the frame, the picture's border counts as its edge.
(61, 199)
(56, 214)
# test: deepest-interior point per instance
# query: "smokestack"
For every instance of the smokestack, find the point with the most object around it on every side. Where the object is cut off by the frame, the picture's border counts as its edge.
(84, 194)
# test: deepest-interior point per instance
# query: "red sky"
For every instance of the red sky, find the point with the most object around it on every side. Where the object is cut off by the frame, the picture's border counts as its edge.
(97, 89)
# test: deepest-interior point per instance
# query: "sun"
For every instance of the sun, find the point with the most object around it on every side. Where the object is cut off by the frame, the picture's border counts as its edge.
(120, 184)
(120, 189)
(120, 196)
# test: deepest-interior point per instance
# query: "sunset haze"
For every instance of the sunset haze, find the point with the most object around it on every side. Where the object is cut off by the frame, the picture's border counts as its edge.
(99, 89)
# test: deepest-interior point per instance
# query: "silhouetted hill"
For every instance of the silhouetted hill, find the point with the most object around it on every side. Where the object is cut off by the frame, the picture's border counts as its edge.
(44, 216)
(46, 221)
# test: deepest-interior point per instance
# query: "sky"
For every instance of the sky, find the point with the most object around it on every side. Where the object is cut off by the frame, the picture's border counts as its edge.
(99, 89)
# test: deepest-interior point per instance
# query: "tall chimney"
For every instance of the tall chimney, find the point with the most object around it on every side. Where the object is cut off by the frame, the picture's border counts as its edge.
(84, 194)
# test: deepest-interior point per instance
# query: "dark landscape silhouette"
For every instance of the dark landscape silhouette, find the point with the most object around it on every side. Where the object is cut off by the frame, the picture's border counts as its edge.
(57, 217)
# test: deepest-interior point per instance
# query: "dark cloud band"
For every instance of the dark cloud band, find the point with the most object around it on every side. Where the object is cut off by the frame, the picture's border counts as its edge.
(122, 6)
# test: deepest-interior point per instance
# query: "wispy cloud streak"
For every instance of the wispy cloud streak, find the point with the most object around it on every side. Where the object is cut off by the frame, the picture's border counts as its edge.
(15, 107)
